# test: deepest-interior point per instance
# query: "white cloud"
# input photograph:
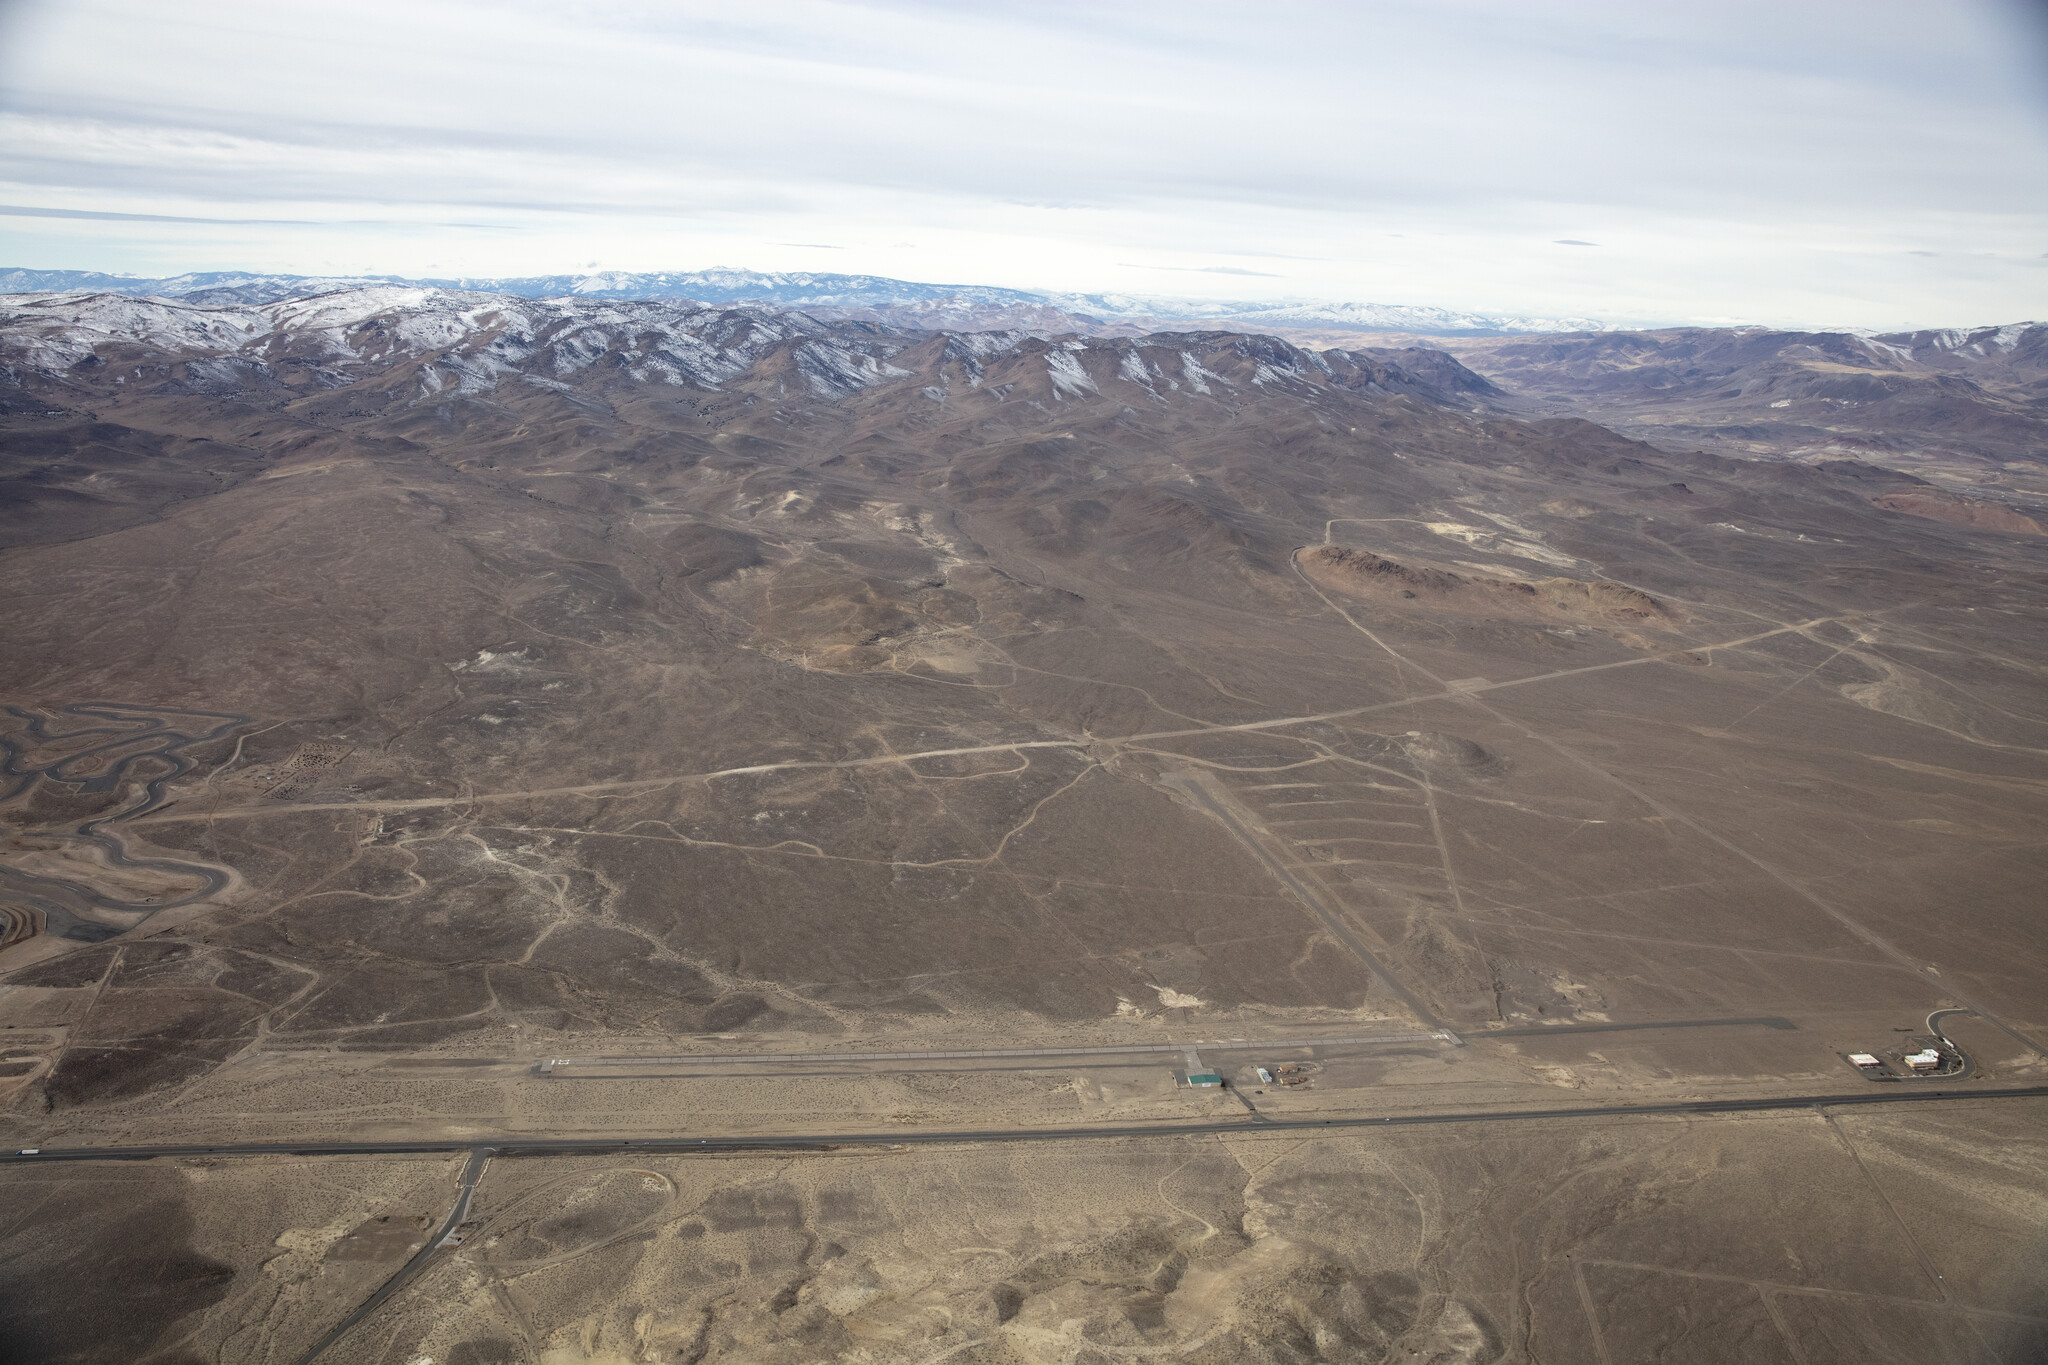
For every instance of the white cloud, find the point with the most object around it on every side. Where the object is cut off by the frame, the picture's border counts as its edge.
(1731, 159)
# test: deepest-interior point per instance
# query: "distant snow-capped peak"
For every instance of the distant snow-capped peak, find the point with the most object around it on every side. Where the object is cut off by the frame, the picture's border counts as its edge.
(902, 302)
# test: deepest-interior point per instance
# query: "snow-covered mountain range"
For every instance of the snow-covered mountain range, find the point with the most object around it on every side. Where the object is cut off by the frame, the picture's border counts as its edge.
(899, 303)
(62, 352)
(445, 338)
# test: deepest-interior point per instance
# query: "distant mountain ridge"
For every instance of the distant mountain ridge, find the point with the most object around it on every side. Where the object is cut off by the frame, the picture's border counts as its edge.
(434, 344)
(1926, 402)
(899, 303)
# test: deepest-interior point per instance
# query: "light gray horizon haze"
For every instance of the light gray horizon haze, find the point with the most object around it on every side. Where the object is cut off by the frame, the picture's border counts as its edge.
(1878, 164)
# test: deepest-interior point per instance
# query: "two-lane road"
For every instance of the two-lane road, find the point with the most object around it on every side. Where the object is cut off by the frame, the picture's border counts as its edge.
(510, 1145)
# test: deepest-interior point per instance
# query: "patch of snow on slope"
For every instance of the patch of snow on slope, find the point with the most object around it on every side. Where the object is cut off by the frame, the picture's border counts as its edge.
(1068, 378)
(56, 331)
(1197, 377)
(835, 370)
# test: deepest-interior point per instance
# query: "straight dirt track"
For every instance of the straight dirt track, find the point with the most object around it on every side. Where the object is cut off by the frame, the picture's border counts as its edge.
(629, 786)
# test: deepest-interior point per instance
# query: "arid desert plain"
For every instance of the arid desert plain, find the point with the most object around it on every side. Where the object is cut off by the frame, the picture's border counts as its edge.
(579, 833)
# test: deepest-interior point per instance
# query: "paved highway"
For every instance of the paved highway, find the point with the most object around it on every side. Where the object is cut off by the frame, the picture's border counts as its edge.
(510, 1145)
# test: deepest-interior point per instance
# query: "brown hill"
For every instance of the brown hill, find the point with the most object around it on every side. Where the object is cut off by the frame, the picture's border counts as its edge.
(1937, 506)
(1361, 573)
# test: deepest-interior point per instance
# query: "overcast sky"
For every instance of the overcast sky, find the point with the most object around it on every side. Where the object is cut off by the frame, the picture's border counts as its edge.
(1877, 163)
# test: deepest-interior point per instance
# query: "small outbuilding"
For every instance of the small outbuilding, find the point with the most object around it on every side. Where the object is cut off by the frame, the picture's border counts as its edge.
(1204, 1078)
(1864, 1059)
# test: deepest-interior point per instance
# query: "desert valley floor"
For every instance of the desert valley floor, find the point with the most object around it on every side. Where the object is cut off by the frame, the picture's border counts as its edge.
(441, 726)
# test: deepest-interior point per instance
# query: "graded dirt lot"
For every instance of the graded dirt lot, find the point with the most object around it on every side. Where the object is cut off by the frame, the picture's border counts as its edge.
(530, 696)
